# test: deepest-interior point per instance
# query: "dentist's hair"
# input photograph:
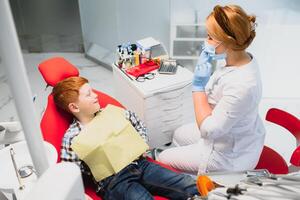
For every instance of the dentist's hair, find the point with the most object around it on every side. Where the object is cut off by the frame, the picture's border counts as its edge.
(232, 26)
(67, 91)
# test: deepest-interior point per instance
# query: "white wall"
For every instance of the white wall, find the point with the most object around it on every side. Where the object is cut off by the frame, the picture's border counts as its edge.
(99, 22)
(277, 42)
(109, 23)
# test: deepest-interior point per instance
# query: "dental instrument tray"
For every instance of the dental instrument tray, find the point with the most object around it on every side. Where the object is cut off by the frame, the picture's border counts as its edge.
(168, 67)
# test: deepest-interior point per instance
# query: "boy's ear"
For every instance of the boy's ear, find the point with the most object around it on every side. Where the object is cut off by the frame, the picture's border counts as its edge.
(73, 107)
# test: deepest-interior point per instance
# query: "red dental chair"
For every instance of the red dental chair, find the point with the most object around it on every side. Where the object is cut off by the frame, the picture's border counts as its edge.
(55, 122)
(290, 123)
(269, 158)
(272, 161)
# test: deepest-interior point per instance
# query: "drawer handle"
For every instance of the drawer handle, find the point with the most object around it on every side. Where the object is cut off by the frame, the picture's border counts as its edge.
(173, 97)
(162, 92)
(171, 120)
(175, 108)
(169, 132)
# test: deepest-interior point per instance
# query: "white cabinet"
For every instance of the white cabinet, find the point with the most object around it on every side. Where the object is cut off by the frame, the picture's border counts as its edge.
(163, 103)
(186, 43)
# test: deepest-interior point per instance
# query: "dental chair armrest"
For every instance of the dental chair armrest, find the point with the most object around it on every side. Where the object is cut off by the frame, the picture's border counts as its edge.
(61, 182)
(295, 158)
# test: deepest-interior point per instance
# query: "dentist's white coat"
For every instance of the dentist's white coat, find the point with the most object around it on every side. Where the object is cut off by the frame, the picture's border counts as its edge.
(232, 137)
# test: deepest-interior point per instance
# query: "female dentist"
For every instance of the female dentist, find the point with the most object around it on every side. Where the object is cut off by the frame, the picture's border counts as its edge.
(229, 134)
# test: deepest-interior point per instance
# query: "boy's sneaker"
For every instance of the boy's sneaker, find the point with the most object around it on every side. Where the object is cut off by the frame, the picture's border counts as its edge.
(153, 153)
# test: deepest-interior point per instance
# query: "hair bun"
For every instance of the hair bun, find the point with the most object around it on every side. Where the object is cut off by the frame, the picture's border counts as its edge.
(231, 25)
(252, 18)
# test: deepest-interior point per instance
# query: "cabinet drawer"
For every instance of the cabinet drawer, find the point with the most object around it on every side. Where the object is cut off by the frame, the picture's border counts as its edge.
(166, 97)
(164, 111)
(165, 123)
(173, 109)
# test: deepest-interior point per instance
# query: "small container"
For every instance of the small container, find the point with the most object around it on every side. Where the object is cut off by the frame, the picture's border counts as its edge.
(136, 58)
(147, 54)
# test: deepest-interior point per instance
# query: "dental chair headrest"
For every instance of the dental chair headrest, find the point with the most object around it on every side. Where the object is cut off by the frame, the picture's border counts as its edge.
(56, 69)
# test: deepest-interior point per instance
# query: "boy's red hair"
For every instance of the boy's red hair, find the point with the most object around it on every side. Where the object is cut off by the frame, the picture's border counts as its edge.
(67, 91)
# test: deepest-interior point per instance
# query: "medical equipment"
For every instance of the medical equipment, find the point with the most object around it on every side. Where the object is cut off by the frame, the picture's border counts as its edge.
(261, 192)
(12, 155)
(47, 187)
(155, 47)
(167, 67)
(246, 192)
(9, 183)
(130, 54)
(258, 173)
(26, 171)
(260, 184)
(10, 132)
(264, 173)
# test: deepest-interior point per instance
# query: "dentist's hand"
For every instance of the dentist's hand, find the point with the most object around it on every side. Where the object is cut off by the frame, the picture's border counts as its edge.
(204, 57)
(202, 72)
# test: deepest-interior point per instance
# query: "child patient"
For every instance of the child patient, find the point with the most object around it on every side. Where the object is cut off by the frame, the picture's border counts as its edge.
(137, 181)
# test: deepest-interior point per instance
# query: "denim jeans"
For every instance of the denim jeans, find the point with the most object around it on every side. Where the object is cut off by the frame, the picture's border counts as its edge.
(142, 180)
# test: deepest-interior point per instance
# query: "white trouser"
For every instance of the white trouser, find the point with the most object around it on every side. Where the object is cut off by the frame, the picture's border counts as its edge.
(189, 151)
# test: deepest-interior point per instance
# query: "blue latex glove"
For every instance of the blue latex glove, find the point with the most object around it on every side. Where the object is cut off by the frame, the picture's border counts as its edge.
(202, 72)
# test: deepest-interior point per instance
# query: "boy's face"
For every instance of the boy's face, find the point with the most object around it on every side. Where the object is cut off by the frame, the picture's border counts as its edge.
(87, 102)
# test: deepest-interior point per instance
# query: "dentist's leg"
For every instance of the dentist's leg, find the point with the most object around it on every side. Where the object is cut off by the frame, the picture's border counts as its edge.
(191, 151)
(186, 134)
(185, 158)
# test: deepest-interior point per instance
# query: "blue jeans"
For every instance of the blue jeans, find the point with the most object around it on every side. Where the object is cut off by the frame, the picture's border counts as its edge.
(142, 180)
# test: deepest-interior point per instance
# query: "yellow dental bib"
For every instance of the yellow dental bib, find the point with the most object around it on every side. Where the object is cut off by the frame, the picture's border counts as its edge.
(108, 143)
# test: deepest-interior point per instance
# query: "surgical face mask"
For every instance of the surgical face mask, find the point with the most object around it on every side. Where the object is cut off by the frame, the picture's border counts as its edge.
(211, 50)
